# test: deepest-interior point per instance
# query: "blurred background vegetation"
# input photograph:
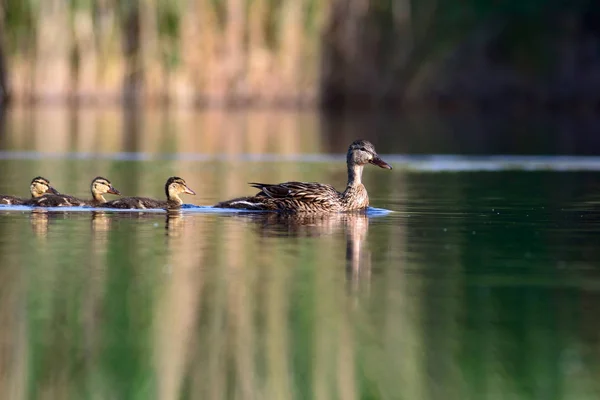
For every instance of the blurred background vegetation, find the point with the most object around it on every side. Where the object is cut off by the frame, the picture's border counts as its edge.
(337, 53)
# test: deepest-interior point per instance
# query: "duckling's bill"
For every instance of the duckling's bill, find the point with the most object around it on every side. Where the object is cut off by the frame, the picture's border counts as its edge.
(186, 189)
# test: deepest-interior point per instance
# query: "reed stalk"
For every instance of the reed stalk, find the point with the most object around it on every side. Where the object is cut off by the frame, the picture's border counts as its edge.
(265, 52)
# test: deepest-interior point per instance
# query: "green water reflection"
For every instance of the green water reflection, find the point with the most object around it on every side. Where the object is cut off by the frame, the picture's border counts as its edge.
(479, 286)
(52, 130)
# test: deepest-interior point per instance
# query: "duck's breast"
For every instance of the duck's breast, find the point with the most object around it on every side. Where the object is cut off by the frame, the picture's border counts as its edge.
(355, 198)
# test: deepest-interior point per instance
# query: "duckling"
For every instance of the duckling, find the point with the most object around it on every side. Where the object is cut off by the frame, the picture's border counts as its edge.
(98, 187)
(293, 197)
(38, 187)
(173, 188)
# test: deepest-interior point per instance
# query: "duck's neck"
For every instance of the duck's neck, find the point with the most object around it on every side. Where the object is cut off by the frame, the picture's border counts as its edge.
(98, 198)
(355, 196)
(354, 175)
(174, 199)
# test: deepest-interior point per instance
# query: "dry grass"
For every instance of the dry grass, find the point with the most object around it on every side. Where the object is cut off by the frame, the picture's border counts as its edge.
(293, 53)
(185, 52)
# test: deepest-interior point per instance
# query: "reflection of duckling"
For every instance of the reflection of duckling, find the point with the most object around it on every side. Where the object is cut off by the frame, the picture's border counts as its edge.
(173, 188)
(312, 197)
(39, 186)
(99, 187)
(174, 224)
(39, 222)
(100, 222)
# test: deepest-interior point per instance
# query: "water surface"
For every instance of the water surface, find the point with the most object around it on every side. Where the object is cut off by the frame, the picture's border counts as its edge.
(482, 283)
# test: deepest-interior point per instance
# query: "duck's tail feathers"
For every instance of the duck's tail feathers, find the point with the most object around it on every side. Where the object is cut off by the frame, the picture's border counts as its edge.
(243, 203)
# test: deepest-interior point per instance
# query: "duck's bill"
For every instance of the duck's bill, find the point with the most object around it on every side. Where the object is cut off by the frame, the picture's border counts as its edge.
(52, 190)
(112, 190)
(380, 163)
(189, 191)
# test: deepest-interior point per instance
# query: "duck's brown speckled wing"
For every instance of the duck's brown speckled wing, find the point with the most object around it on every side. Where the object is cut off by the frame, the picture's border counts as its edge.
(302, 191)
(289, 197)
(299, 196)
(134, 203)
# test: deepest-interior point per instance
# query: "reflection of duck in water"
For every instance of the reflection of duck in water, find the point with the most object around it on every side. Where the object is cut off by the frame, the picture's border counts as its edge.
(312, 196)
(355, 225)
(99, 187)
(39, 186)
(358, 258)
(173, 188)
(302, 224)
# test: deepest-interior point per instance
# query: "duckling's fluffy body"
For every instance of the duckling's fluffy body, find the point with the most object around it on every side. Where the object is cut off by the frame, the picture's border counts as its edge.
(39, 186)
(98, 187)
(138, 203)
(173, 188)
(54, 200)
(12, 200)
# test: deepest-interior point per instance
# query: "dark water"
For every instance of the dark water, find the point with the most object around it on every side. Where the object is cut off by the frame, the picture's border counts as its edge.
(480, 285)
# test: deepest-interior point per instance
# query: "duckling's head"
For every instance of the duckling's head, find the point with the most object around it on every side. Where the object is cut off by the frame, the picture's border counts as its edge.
(40, 186)
(176, 186)
(363, 152)
(100, 186)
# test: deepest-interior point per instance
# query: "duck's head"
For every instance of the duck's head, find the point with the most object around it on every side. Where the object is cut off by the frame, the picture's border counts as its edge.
(363, 152)
(40, 186)
(176, 186)
(101, 186)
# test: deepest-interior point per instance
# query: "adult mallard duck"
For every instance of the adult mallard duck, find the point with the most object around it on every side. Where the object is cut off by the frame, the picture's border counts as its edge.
(316, 197)
(99, 187)
(173, 188)
(39, 186)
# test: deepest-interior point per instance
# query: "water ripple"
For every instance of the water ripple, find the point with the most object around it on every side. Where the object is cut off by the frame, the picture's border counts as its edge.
(433, 162)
